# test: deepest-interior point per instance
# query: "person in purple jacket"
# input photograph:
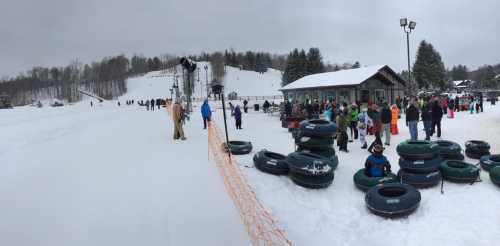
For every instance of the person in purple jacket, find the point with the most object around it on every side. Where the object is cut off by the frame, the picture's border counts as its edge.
(237, 117)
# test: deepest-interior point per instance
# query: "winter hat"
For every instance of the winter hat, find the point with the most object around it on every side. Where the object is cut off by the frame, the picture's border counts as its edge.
(378, 149)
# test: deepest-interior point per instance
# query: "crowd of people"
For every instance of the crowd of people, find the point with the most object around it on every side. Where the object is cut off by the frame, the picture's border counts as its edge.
(381, 119)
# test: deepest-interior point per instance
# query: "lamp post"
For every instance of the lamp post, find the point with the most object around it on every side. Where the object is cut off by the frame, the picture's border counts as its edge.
(408, 26)
(206, 73)
(201, 88)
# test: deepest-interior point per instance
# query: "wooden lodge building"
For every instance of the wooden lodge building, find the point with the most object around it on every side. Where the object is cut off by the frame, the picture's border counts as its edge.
(373, 84)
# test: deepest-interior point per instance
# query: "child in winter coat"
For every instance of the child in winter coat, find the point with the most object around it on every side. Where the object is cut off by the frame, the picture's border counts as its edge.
(376, 164)
(363, 123)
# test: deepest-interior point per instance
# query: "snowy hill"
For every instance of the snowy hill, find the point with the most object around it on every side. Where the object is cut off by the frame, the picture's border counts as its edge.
(245, 83)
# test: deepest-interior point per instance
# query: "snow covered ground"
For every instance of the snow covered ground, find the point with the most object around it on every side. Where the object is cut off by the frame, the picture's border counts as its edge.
(108, 175)
(463, 215)
(112, 175)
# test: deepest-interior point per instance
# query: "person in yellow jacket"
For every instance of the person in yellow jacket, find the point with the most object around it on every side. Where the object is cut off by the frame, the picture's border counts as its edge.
(394, 119)
(177, 118)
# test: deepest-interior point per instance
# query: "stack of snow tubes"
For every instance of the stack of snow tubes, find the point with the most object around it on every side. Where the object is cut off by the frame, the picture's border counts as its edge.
(313, 164)
(364, 182)
(311, 170)
(316, 137)
(475, 149)
(419, 163)
(392, 200)
(449, 150)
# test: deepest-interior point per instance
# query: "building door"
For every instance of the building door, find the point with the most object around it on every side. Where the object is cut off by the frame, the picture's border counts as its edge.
(365, 96)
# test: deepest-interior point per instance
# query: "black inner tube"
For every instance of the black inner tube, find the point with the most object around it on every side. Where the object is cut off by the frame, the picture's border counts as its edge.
(444, 143)
(276, 156)
(237, 143)
(456, 164)
(476, 142)
(392, 191)
(495, 158)
(319, 122)
(309, 155)
(418, 142)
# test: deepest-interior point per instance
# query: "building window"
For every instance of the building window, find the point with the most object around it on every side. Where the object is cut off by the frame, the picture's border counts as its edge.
(344, 97)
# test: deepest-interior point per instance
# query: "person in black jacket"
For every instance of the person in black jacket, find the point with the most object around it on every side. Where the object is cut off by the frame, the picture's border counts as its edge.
(152, 105)
(427, 119)
(385, 118)
(436, 115)
(412, 120)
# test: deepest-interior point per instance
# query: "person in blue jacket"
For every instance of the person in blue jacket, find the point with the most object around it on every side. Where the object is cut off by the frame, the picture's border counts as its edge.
(376, 164)
(206, 113)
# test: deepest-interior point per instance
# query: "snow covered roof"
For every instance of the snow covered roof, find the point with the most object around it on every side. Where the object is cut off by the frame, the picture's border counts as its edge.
(339, 78)
(463, 83)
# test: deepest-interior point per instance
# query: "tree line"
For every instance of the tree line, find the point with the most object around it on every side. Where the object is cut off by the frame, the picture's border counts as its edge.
(429, 71)
(300, 64)
(105, 79)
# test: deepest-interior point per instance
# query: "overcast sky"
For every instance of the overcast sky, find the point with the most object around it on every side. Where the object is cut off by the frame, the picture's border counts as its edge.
(54, 32)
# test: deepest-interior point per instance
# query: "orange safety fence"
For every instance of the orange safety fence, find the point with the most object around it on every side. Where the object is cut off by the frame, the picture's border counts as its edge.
(262, 228)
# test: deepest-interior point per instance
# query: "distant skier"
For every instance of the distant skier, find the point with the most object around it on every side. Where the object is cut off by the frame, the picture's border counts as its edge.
(266, 106)
(237, 117)
(206, 113)
(91, 104)
(152, 105)
(147, 105)
(245, 106)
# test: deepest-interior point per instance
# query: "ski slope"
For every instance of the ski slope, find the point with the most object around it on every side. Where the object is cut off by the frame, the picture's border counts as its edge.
(246, 83)
(108, 175)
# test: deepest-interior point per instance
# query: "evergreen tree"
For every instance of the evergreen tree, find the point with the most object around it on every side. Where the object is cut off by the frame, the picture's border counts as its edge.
(459, 72)
(429, 70)
(302, 65)
(314, 62)
(290, 73)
